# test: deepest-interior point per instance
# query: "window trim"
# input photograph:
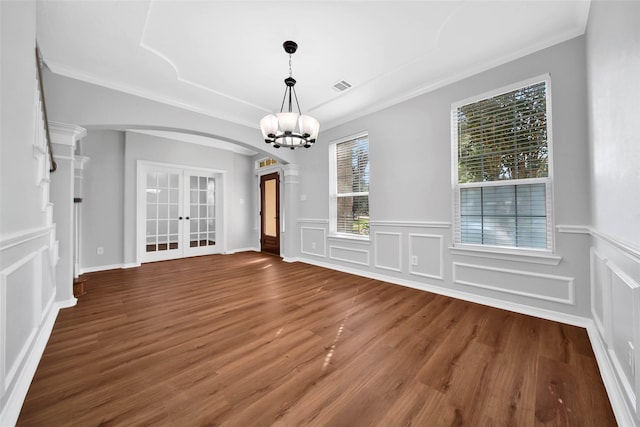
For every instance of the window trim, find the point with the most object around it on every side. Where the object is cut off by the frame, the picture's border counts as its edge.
(333, 189)
(548, 181)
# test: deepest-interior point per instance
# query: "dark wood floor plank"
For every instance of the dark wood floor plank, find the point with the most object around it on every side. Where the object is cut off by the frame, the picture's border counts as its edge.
(248, 339)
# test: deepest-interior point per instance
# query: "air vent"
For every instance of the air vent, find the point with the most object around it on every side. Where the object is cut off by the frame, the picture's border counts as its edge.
(341, 85)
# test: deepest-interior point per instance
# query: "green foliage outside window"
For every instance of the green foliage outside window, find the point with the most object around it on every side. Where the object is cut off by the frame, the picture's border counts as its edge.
(504, 137)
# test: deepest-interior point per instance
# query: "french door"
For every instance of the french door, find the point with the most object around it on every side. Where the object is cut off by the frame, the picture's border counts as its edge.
(179, 213)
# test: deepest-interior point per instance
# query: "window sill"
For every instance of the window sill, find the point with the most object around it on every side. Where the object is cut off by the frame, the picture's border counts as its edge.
(348, 237)
(529, 256)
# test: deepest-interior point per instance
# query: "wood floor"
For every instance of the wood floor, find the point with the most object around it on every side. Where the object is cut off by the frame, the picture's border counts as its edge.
(247, 339)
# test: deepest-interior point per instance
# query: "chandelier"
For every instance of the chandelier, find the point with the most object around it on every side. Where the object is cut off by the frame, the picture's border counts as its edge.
(289, 128)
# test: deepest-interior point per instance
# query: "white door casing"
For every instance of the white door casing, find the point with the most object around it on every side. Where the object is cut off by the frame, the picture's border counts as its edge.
(180, 212)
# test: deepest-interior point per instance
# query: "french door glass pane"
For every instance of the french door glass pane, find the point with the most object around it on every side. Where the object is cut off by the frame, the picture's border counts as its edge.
(270, 214)
(162, 211)
(202, 222)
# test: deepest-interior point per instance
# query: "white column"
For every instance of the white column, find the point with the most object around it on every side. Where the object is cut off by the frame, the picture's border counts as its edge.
(80, 163)
(63, 138)
(291, 199)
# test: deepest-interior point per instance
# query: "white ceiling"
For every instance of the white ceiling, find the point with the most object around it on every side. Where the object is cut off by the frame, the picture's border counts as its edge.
(225, 58)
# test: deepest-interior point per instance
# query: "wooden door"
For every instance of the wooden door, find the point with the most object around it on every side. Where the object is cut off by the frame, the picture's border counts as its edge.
(270, 213)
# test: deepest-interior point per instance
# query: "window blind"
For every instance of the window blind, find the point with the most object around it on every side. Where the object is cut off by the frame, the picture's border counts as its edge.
(352, 186)
(352, 166)
(509, 215)
(503, 187)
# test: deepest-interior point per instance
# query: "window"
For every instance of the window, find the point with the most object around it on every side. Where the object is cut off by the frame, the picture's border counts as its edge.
(350, 186)
(502, 179)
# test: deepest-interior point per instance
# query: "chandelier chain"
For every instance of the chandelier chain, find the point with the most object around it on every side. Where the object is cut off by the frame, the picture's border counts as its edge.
(290, 72)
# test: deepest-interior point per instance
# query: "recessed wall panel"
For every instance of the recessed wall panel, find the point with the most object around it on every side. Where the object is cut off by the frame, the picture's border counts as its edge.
(598, 286)
(532, 285)
(312, 241)
(18, 288)
(352, 255)
(48, 285)
(623, 295)
(425, 255)
(388, 251)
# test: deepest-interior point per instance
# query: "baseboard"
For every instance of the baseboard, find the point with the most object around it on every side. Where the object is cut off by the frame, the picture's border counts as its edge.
(235, 251)
(67, 303)
(131, 265)
(84, 270)
(622, 411)
(624, 414)
(11, 411)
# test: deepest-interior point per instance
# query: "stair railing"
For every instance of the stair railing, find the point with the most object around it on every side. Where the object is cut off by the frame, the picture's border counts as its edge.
(53, 165)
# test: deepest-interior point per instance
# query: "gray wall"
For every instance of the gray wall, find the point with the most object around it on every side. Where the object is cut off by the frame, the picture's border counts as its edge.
(411, 194)
(109, 206)
(102, 208)
(614, 89)
(613, 64)
(21, 203)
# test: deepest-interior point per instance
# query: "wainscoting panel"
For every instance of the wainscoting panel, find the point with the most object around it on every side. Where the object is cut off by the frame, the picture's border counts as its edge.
(615, 308)
(48, 292)
(21, 310)
(533, 285)
(599, 288)
(624, 341)
(28, 309)
(388, 250)
(313, 241)
(426, 255)
(351, 255)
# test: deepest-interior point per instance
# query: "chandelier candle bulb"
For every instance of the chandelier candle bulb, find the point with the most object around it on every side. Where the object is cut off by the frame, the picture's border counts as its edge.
(288, 128)
(269, 126)
(287, 122)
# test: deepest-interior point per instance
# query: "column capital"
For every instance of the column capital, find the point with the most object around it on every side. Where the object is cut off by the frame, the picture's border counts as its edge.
(65, 134)
(291, 174)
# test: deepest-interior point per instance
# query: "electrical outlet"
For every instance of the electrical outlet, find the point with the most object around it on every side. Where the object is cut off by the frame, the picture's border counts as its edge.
(313, 245)
(631, 358)
(100, 250)
(414, 260)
